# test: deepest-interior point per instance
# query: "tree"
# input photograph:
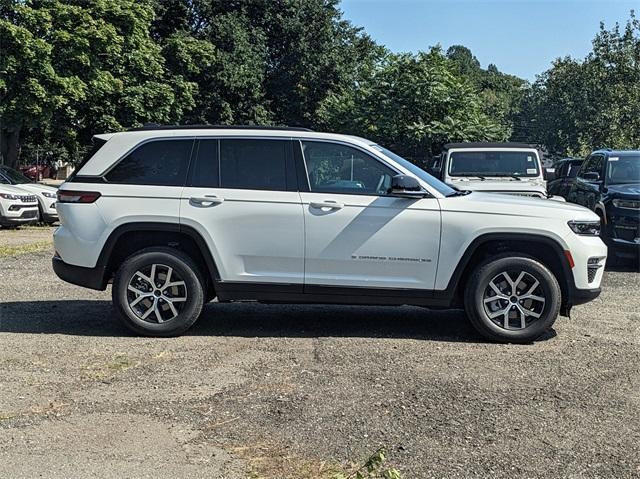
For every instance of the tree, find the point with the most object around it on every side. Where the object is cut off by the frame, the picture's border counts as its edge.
(577, 106)
(412, 104)
(270, 62)
(79, 66)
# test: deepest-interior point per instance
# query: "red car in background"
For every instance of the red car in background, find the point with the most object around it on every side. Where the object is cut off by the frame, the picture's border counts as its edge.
(38, 172)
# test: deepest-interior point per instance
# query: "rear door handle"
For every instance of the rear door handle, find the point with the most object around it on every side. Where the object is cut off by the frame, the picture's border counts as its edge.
(205, 201)
(334, 205)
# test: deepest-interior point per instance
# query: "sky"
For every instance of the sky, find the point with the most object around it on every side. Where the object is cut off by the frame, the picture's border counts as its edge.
(521, 37)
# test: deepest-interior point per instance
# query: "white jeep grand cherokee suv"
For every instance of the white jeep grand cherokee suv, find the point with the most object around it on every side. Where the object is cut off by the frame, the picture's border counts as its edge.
(17, 207)
(177, 216)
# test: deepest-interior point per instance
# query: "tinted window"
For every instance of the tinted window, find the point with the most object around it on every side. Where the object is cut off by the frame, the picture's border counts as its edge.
(593, 164)
(205, 171)
(336, 168)
(573, 170)
(493, 163)
(623, 169)
(162, 163)
(12, 176)
(254, 164)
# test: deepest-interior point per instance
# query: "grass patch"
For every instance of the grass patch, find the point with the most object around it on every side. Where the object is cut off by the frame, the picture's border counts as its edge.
(15, 250)
(106, 371)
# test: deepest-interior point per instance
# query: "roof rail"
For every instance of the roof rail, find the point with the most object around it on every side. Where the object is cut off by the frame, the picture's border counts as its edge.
(484, 144)
(155, 126)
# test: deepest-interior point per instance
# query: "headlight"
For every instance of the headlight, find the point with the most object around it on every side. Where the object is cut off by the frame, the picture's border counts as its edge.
(630, 204)
(48, 194)
(585, 228)
(8, 196)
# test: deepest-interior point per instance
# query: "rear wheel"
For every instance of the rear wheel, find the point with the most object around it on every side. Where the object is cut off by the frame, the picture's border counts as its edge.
(158, 292)
(512, 299)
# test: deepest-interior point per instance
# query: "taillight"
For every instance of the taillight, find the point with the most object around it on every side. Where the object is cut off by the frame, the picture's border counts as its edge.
(68, 196)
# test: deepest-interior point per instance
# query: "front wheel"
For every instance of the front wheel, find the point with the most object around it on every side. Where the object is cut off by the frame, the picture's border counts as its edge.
(158, 292)
(512, 299)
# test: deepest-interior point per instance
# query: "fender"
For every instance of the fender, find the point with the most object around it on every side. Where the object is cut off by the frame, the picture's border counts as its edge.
(107, 249)
(566, 282)
(600, 208)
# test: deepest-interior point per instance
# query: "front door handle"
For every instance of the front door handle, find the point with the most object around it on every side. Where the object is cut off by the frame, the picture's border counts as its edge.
(205, 201)
(334, 205)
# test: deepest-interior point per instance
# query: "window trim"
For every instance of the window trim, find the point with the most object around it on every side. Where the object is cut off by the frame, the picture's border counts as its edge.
(290, 177)
(350, 145)
(140, 145)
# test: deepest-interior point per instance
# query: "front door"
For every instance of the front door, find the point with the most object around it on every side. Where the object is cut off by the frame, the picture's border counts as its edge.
(242, 198)
(355, 234)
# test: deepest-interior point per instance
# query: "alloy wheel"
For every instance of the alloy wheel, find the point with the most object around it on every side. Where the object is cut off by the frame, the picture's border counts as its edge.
(156, 293)
(514, 304)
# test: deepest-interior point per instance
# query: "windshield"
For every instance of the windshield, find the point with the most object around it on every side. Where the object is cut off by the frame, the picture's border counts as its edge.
(15, 177)
(435, 183)
(493, 163)
(623, 170)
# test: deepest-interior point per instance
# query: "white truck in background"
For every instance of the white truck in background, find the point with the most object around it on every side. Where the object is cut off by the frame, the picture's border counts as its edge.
(509, 168)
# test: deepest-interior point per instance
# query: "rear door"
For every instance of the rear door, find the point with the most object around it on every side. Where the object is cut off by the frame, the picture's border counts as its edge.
(355, 234)
(242, 198)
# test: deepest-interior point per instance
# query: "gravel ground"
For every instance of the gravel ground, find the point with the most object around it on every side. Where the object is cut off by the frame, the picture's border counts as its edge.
(25, 235)
(290, 391)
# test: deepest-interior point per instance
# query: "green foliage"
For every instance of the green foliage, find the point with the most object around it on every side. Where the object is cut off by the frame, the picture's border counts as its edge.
(73, 68)
(374, 467)
(577, 106)
(412, 104)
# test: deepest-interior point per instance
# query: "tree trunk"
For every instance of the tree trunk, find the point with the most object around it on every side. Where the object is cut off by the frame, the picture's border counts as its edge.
(9, 146)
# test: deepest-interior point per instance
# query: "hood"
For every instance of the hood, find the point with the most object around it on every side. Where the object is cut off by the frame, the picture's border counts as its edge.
(36, 188)
(500, 184)
(630, 190)
(512, 205)
(13, 190)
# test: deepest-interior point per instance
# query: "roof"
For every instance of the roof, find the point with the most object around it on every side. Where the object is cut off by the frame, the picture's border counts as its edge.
(567, 160)
(154, 126)
(609, 151)
(483, 144)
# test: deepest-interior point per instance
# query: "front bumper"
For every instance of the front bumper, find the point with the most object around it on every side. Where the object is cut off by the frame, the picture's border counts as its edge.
(581, 296)
(622, 231)
(21, 217)
(92, 278)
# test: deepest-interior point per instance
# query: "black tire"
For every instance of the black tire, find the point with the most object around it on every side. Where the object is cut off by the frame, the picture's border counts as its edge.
(183, 268)
(478, 289)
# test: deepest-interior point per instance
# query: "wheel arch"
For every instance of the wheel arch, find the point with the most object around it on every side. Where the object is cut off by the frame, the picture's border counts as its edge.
(131, 237)
(542, 248)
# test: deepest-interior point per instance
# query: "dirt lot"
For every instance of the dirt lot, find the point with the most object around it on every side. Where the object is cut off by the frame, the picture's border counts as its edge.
(295, 391)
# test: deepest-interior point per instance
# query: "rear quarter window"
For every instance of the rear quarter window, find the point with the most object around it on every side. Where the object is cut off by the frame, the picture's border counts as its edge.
(159, 163)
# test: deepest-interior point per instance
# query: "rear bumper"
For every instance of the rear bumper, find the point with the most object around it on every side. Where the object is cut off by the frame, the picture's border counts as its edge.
(92, 278)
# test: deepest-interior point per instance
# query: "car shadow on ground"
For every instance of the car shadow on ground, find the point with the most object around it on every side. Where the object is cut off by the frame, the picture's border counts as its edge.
(97, 318)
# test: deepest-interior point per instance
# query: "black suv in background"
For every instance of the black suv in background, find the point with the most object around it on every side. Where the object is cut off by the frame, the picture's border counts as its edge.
(564, 176)
(609, 183)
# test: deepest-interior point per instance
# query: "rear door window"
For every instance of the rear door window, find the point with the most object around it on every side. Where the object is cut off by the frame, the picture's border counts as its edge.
(254, 164)
(159, 163)
(205, 171)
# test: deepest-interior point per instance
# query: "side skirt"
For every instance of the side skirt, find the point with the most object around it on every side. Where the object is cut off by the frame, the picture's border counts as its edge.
(319, 294)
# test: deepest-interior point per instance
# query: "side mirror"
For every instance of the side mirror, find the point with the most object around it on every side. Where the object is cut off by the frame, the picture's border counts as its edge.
(406, 187)
(592, 176)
